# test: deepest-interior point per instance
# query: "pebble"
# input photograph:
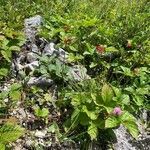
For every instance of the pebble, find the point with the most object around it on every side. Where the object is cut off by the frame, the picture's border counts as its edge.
(40, 134)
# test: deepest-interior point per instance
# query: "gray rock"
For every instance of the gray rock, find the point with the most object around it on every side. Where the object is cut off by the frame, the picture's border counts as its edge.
(29, 142)
(22, 112)
(40, 134)
(31, 57)
(31, 25)
(33, 21)
(63, 55)
(32, 65)
(126, 142)
(123, 139)
(40, 81)
(34, 48)
(78, 73)
(49, 49)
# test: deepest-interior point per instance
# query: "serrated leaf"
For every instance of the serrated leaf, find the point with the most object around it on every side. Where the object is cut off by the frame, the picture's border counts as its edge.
(116, 91)
(126, 71)
(91, 114)
(93, 131)
(126, 116)
(3, 72)
(125, 99)
(15, 95)
(15, 86)
(107, 93)
(6, 55)
(129, 121)
(132, 128)
(111, 122)
(41, 112)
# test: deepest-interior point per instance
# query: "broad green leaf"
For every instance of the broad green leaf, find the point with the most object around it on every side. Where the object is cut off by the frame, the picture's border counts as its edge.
(15, 95)
(111, 122)
(126, 116)
(15, 86)
(129, 121)
(99, 122)
(14, 48)
(132, 128)
(138, 100)
(116, 91)
(93, 131)
(3, 72)
(7, 55)
(107, 93)
(125, 99)
(55, 129)
(127, 71)
(92, 114)
(41, 112)
(84, 119)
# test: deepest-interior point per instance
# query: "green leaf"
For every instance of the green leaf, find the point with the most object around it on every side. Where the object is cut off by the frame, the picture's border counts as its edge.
(112, 122)
(54, 128)
(14, 48)
(41, 112)
(111, 49)
(84, 119)
(15, 95)
(129, 121)
(126, 116)
(93, 131)
(125, 99)
(92, 114)
(138, 100)
(75, 118)
(127, 71)
(6, 55)
(116, 91)
(107, 93)
(10, 132)
(2, 146)
(16, 86)
(100, 123)
(132, 128)
(75, 114)
(3, 72)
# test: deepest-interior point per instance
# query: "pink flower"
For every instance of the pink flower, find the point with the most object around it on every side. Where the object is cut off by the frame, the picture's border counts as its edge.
(117, 111)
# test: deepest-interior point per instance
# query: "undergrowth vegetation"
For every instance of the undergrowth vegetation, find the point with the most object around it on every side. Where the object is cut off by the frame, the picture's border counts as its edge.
(110, 38)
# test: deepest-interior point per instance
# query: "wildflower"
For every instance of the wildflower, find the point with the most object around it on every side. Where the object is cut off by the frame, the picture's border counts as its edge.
(117, 111)
(100, 48)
